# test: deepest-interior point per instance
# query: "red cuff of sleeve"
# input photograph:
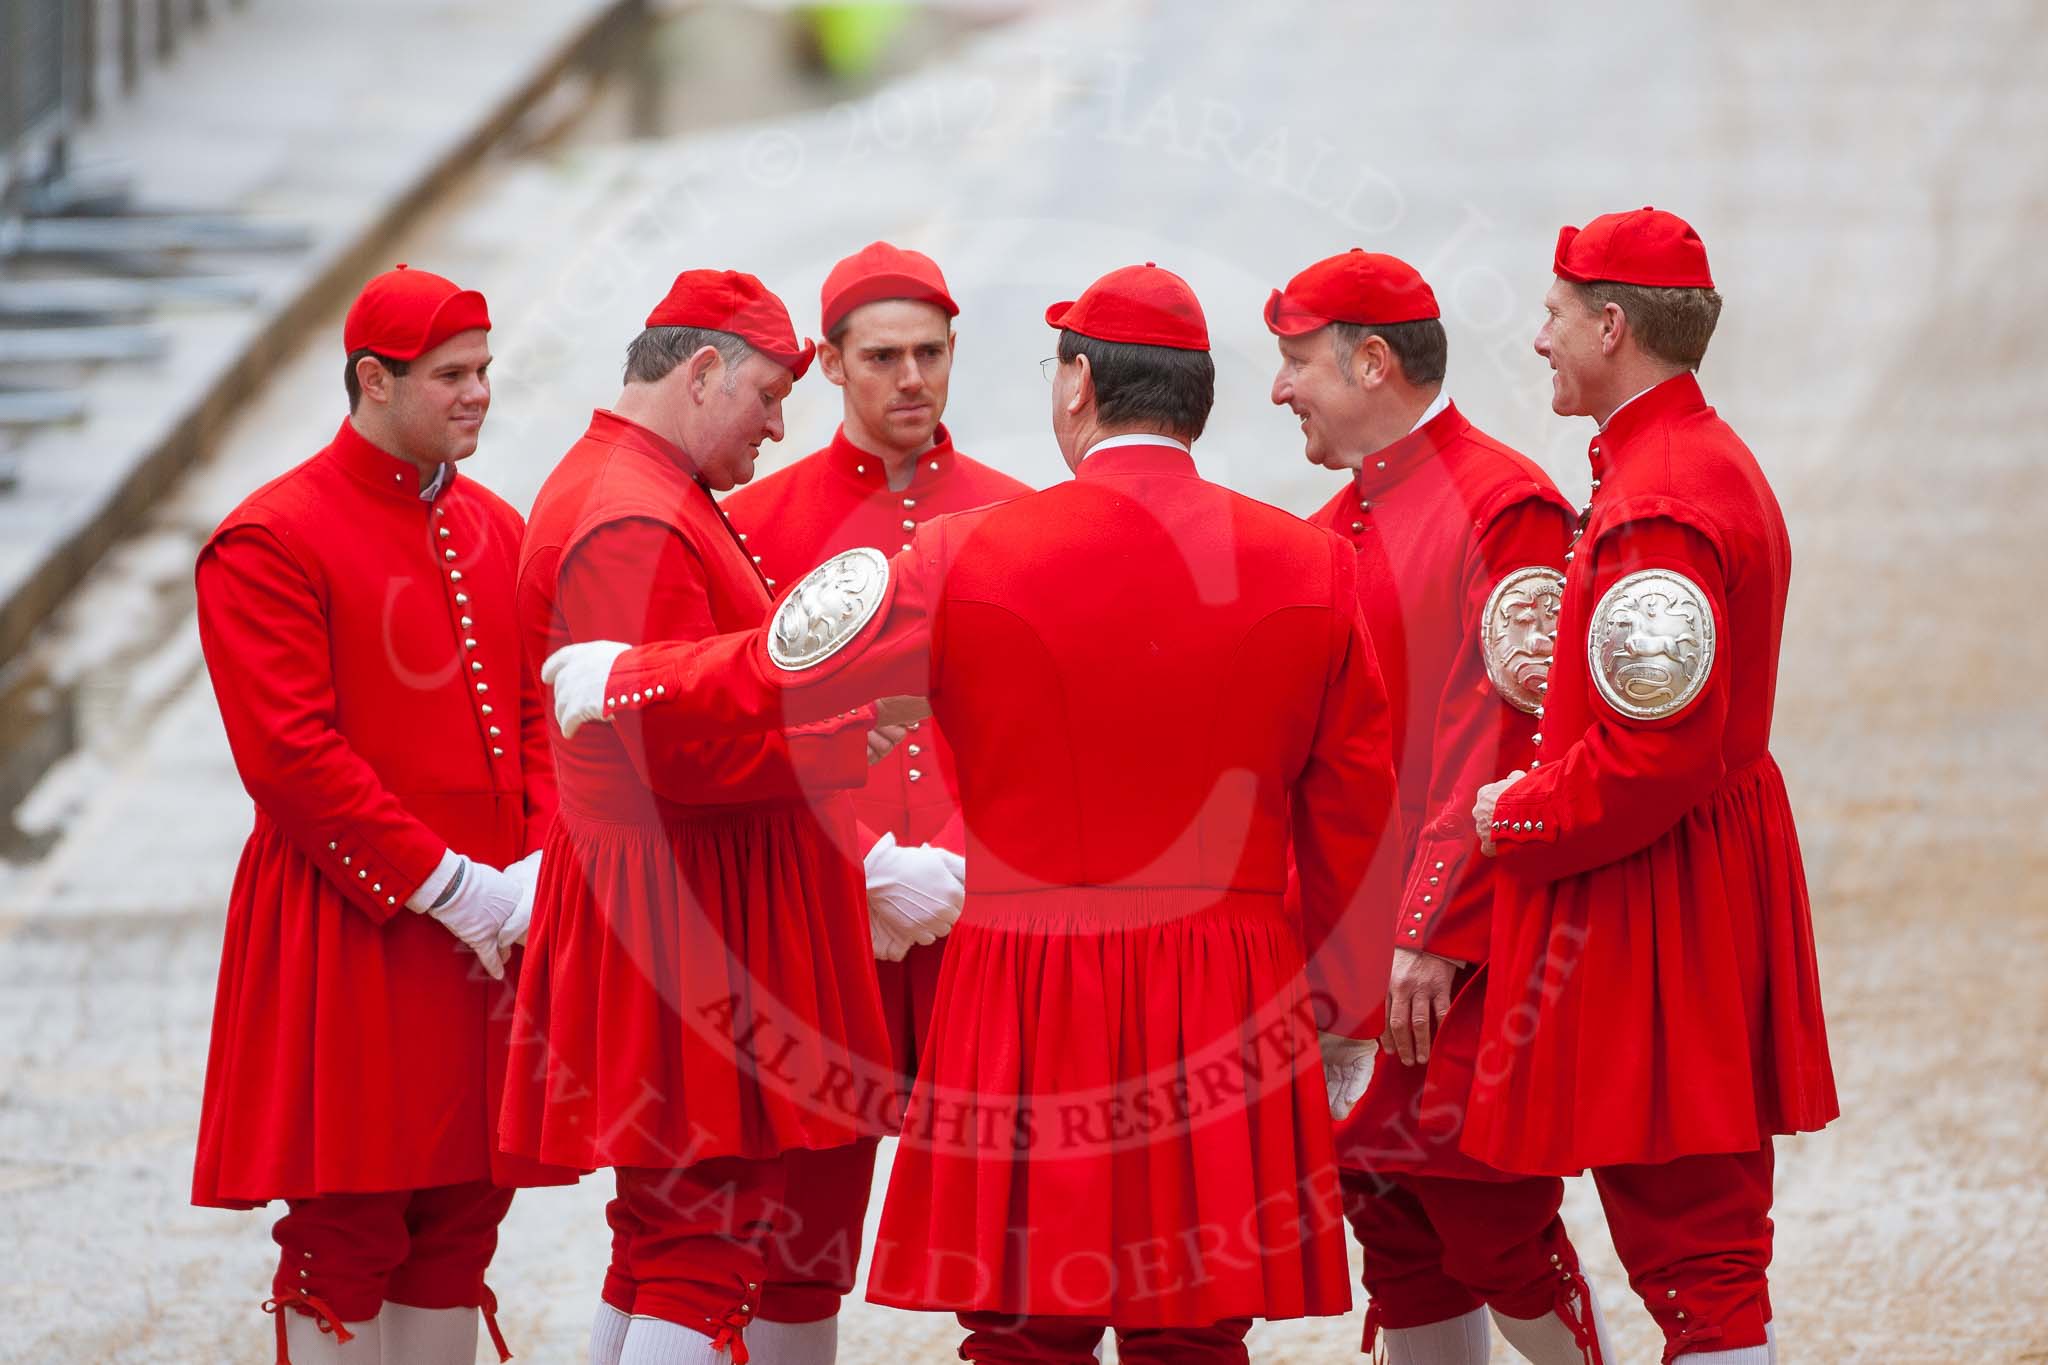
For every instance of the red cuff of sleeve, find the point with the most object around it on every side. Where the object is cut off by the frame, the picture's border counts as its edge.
(1525, 822)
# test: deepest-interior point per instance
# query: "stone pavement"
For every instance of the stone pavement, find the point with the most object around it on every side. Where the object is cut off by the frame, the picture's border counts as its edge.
(291, 112)
(1869, 186)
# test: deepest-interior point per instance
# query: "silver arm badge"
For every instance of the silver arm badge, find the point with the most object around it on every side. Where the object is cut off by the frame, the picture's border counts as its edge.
(828, 608)
(1518, 635)
(1651, 645)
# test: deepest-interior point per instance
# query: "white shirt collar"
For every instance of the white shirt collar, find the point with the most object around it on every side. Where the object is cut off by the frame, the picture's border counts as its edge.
(1430, 413)
(1137, 438)
(440, 481)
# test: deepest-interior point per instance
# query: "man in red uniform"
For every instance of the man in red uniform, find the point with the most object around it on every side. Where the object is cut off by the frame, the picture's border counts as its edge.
(1152, 685)
(1460, 546)
(700, 972)
(891, 467)
(1653, 1004)
(356, 614)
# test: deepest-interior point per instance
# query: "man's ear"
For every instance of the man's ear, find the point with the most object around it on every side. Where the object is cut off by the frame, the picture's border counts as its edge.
(701, 372)
(832, 363)
(1084, 388)
(1372, 362)
(1613, 327)
(374, 380)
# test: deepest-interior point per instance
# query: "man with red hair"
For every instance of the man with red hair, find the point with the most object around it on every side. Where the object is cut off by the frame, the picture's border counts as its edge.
(356, 614)
(700, 1009)
(1122, 1119)
(1653, 1006)
(1460, 545)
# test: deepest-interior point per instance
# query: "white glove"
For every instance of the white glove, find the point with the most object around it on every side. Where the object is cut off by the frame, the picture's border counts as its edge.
(914, 895)
(483, 899)
(527, 873)
(578, 673)
(1347, 1068)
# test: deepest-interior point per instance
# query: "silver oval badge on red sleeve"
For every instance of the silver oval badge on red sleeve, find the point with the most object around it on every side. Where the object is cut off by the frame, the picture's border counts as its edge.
(1651, 645)
(1518, 635)
(824, 612)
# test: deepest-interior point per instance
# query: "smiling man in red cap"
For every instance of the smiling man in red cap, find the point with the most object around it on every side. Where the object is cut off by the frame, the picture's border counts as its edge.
(356, 614)
(1153, 685)
(1653, 1009)
(701, 1002)
(1460, 545)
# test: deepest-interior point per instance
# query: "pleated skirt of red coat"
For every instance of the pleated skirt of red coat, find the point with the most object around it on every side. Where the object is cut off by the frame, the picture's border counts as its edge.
(349, 1056)
(1120, 1115)
(695, 988)
(1661, 1006)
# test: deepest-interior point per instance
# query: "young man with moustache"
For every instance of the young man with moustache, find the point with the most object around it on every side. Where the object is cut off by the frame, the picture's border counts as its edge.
(891, 467)
(357, 618)
(1653, 1009)
(1460, 544)
(1154, 687)
(700, 982)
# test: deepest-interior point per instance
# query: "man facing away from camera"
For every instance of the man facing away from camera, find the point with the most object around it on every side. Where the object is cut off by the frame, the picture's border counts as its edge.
(1153, 685)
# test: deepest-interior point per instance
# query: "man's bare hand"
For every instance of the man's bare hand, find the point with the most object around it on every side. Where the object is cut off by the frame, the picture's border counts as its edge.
(1418, 998)
(1482, 809)
(902, 711)
(882, 739)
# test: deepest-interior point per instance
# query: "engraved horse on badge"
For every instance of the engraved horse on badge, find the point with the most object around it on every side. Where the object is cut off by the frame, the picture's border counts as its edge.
(828, 608)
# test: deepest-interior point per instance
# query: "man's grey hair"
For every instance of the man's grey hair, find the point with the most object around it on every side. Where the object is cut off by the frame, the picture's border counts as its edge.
(658, 350)
(1421, 347)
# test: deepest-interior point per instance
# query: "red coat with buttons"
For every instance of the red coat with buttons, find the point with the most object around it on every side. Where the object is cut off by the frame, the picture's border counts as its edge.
(793, 521)
(698, 977)
(1439, 519)
(1653, 991)
(364, 654)
(1152, 685)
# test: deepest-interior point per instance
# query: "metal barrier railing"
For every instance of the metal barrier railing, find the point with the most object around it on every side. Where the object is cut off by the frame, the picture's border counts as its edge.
(62, 60)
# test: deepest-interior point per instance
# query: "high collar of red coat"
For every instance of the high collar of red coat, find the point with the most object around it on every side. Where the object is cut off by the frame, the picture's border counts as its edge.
(871, 471)
(1390, 464)
(1674, 397)
(609, 427)
(378, 469)
(1136, 459)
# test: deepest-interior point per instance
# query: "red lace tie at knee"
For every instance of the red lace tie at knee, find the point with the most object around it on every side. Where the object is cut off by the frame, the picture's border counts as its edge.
(729, 1330)
(313, 1307)
(1575, 1307)
(489, 1308)
(1372, 1329)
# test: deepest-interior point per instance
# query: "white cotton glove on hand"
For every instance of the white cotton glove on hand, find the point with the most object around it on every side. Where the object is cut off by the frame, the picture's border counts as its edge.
(1347, 1068)
(527, 873)
(483, 899)
(578, 673)
(914, 895)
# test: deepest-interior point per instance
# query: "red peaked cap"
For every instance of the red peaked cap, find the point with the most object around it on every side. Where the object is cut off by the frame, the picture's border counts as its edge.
(405, 313)
(880, 271)
(734, 301)
(1139, 304)
(1358, 286)
(1647, 247)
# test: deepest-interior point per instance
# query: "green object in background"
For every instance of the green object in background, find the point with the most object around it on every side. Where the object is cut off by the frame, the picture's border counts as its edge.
(851, 38)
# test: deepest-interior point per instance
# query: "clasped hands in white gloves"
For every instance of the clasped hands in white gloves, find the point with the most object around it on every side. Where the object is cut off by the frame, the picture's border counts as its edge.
(527, 872)
(578, 673)
(914, 895)
(1347, 1068)
(476, 903)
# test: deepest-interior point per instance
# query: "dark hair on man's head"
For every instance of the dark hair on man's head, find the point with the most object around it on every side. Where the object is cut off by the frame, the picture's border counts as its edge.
(1421, 347)
(658, 350)
(1673, 325)
(1160, 387)
(397, 369)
